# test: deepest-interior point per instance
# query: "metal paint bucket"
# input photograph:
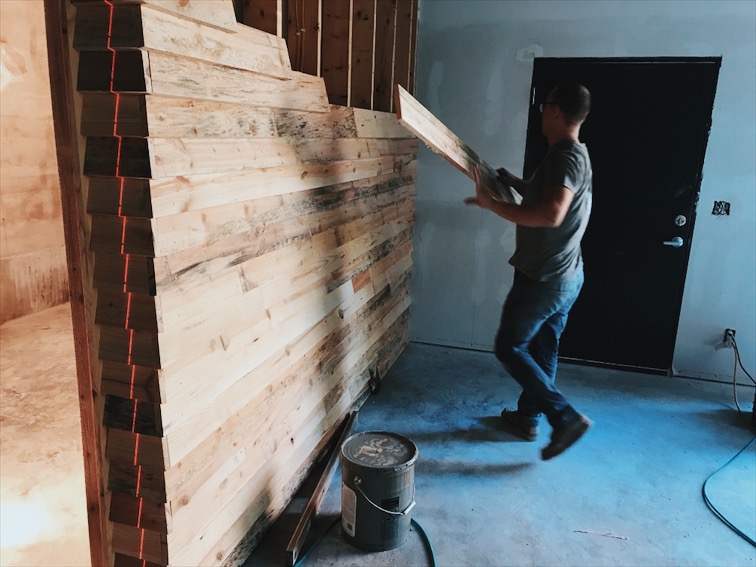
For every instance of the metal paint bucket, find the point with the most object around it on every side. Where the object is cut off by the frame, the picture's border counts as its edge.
(378, 489)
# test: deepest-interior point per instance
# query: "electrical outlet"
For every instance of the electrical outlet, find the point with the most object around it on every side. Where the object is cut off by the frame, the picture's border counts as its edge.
(727, 339)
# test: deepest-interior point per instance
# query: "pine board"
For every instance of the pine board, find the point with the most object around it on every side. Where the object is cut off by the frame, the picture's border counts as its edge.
(179, 76)
(203, 191)
(419, 120)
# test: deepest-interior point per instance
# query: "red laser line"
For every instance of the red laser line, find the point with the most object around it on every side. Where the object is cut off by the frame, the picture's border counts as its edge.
(139, 516)
(118, 153)
(122, 183)
(133, 380)
(117, 96)
(120, 192)
(126, 273)
(133, 420)
(128, 310)
(131, 346)
(123, 241)
(136, 448)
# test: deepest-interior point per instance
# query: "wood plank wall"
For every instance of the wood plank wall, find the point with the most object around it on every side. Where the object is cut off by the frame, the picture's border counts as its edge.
(248, 263)
(361, 48)
(32, 249)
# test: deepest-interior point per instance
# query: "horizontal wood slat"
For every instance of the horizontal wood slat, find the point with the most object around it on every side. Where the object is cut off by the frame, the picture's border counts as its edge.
(175, 195)
(128, 274)
(128, 197)
(135, 449)
(122, 234)
(215, 13)
(147, 483)
(106, 71)
(140, 543)
(144, 27)
(131, 381)
(173, 75)
(170, 117)
(138, 512)
(132, 347)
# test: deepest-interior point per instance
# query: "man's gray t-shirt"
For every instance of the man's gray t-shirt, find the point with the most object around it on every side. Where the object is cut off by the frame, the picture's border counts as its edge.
(553, 254)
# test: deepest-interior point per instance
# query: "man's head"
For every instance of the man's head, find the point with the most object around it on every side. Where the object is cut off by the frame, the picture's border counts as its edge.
(573, 100)
(564, 111)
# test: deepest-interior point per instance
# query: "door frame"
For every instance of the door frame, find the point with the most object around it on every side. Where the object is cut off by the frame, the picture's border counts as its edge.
(531, 160)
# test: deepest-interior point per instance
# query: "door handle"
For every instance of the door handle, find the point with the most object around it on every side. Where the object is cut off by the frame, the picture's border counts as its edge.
(676, 242)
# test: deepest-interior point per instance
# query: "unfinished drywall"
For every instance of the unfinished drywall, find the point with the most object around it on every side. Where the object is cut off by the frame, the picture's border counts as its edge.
(32, 253)
(247, 258)
(474, 73)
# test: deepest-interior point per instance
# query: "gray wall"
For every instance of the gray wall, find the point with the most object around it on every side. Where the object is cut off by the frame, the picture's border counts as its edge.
(475, 61)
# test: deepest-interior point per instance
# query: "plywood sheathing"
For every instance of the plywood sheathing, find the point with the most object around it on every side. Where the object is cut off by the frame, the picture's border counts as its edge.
(32, 249)
(251, 253)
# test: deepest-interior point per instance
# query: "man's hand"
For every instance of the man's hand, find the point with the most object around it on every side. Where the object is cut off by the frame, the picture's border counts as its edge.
(481, 199)
(505, 176)
(512, 180)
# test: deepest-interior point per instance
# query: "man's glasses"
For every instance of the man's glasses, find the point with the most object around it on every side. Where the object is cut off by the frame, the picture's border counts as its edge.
(544, 104)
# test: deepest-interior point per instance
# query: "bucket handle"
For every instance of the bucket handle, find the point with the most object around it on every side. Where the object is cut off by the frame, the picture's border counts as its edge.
(407, 510)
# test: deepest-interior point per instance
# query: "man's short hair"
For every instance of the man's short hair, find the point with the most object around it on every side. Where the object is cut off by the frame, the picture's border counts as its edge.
(573, 100)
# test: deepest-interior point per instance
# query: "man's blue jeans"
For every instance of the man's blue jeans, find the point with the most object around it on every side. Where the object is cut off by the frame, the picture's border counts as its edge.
(527, 343)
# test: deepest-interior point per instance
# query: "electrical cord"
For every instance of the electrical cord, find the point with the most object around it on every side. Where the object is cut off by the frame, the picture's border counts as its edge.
(711, 506)
(737, 362)
(740, 362)
(319, 540)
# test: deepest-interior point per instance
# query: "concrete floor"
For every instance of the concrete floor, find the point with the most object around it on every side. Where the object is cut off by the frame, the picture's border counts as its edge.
(43, 517)
(629, 493)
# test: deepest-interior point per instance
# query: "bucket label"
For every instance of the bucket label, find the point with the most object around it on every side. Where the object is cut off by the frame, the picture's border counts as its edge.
(348, 510)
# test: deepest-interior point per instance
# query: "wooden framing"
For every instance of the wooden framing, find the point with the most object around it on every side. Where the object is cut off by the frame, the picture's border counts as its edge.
(335, 49)
(362, 61)
(360, 47)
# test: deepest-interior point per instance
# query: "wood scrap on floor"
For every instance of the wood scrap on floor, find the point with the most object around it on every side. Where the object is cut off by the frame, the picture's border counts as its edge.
(294, 548)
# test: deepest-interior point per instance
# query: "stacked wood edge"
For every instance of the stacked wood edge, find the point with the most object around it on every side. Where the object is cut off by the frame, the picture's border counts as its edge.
(246, 258)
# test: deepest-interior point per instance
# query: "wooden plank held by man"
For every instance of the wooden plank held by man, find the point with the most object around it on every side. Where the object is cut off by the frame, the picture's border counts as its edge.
(423, 124)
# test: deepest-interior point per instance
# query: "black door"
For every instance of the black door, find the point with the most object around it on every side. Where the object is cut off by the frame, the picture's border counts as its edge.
(646, 135)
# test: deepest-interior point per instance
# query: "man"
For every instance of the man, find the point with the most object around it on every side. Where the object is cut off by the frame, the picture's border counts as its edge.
(551, 221)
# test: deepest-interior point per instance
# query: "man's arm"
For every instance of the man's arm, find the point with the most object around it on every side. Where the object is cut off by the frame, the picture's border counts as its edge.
(548, 212)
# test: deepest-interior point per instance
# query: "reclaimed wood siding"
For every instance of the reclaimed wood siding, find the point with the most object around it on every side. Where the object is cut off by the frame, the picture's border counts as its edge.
(252, 255)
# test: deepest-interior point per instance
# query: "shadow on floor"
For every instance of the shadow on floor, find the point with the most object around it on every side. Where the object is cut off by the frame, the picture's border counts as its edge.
(628, 493)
